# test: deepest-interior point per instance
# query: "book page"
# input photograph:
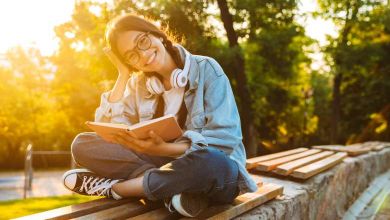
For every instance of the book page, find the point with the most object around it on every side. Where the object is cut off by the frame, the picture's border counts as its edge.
(166, 127)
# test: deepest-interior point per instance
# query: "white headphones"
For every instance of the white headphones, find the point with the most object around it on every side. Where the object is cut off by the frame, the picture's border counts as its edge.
(179, 78)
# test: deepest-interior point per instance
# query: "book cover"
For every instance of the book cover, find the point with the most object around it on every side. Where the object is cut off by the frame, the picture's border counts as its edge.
(166, 127)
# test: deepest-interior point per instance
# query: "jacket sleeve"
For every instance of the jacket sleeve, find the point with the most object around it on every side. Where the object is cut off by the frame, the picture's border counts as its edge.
(222, 128)
(122, 112)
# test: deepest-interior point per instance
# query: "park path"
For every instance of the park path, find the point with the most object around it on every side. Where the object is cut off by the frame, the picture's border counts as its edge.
(45, 183)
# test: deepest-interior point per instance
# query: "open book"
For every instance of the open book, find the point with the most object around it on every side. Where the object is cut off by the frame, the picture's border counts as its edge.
(166, 127)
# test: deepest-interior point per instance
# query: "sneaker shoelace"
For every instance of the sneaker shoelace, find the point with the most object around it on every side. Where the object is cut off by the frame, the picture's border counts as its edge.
(97, 186)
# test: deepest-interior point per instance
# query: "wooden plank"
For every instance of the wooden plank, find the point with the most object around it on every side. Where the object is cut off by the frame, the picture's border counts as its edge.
(243, 203)
(272, 164)
(319, 166)
(78, 210)
(352, 150)
(287, 168)
(124, 211)
(375, 145)
(163, 213)
(252, 162)
(328, 147)
(157, 214)
(379, 147)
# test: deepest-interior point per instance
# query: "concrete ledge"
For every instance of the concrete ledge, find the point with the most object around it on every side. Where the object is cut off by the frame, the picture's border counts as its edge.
(327, 195)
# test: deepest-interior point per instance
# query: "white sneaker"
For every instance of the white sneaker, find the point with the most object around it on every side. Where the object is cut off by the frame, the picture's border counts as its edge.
(187, 204)
(85, 182)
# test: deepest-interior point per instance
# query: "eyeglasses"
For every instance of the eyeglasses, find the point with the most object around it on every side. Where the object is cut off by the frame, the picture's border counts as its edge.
(143, 43)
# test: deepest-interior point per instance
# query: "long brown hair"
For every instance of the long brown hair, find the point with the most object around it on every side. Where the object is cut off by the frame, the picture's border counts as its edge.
(131, 22)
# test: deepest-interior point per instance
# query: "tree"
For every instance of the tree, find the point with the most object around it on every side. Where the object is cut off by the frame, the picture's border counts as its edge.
(278, 71)
(27, 113)
(240, 77)
(354, 57)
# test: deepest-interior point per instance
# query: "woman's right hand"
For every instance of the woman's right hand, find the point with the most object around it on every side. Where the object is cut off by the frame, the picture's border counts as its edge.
(123, 76)
(121, 67)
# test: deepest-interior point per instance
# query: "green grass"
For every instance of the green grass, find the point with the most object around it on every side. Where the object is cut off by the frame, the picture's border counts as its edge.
(18, 208)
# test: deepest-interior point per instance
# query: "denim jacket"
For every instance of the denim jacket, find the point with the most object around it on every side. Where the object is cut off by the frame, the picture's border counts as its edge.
(212, 118)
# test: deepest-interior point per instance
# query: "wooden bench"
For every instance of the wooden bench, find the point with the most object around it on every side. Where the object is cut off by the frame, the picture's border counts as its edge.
(143, 209)
(300, 163)
(355, 149)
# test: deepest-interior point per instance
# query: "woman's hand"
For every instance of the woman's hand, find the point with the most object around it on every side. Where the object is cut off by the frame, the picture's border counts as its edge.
(121, 67)
(154, 145)
(124, 75)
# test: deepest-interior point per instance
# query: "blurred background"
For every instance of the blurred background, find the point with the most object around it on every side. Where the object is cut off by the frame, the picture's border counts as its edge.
(303, 72)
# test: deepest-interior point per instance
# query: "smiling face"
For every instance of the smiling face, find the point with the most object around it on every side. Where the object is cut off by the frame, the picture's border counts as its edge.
(151, 59)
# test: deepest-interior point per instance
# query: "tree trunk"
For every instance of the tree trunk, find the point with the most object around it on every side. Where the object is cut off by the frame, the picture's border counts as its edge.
(350, 17)
(248, 128)
(336, 108)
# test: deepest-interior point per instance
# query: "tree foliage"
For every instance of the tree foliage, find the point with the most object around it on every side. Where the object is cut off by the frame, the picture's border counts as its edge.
(46, 100)
(360, 55)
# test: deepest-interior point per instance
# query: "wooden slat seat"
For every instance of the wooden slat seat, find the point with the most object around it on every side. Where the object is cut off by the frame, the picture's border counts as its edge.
(352, 150)
(376, 145)
(287, 168)
(272, 164)
(129, 209)
(252, 162)
(302, 164)
(140, 209)
(78, 210)
(137, 209)
(240, 205)
(319, 166)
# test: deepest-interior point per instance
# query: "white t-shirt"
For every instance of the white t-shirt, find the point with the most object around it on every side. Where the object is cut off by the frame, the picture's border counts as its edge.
(173, 100)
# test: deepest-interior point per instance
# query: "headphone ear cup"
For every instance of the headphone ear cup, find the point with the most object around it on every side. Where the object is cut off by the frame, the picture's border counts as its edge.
(148, 87)
(174, 78)
(154, 85)
(179, 77)
(182, 80)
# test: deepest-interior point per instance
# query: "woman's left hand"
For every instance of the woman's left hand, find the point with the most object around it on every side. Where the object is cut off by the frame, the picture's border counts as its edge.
(154, 145)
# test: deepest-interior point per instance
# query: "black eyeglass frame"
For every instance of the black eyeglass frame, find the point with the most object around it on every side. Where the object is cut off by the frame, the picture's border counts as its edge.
(137, 48)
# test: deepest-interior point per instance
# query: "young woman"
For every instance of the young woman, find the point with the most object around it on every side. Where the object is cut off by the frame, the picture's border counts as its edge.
(204, 166)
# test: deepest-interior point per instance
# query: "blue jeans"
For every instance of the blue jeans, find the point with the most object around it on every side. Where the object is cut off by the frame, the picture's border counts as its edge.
(208, 171)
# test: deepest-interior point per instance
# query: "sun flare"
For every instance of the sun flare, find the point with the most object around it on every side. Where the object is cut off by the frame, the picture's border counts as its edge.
(29, 23)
